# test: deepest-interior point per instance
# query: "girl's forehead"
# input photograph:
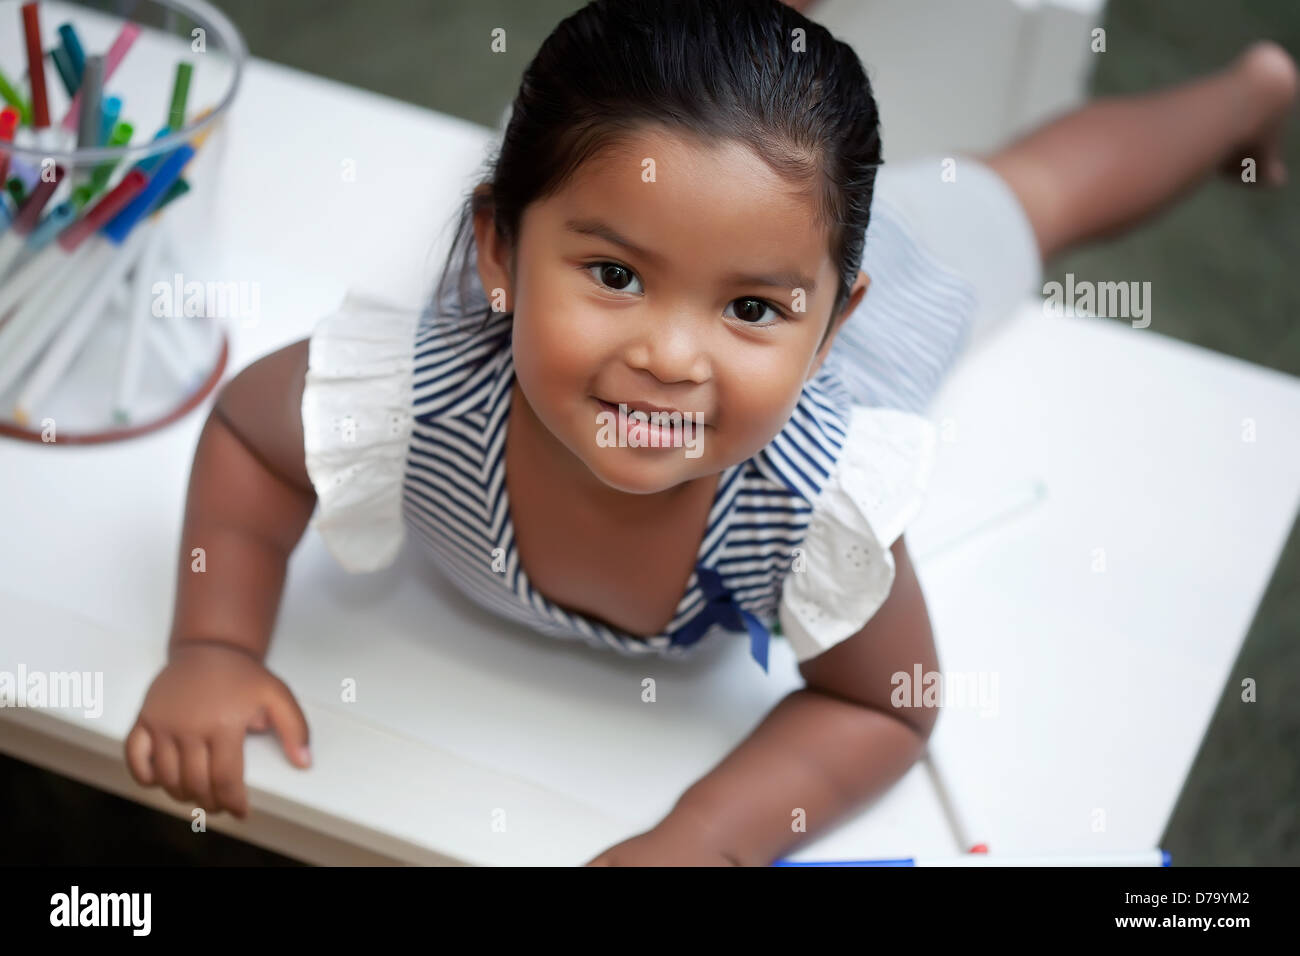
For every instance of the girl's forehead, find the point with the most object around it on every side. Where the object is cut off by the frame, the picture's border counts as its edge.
(681, 200)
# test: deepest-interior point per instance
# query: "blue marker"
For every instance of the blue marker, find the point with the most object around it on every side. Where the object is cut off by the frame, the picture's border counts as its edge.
(110, 111)
(121, 225)
(55, 221)
(71, 46)
(149, 163)
(1155, 857)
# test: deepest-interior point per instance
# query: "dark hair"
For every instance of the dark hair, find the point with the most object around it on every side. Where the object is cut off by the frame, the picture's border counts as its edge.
(717, 69)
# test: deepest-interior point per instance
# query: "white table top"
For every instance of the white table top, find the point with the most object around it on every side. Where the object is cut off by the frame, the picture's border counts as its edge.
(1107, 680)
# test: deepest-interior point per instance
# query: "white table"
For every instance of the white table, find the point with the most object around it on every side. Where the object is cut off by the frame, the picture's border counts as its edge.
(461, 716)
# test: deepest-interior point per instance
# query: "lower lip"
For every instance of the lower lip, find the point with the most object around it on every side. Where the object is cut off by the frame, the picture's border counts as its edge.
(647, 434)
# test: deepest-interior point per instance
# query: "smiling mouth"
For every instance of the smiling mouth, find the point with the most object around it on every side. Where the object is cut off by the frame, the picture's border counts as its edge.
(655, 427)
(651, 411)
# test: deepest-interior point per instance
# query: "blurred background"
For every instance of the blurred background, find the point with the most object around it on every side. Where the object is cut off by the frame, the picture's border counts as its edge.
(949, 75)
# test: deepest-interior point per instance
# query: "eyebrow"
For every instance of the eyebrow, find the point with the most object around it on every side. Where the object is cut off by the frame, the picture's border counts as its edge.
(776, 280)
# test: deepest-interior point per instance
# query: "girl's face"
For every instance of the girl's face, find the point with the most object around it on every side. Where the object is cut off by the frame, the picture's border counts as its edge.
(671, 274)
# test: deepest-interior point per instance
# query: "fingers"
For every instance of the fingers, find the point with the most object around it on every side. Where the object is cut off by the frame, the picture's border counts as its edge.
(209, 772)
(139, 755)
(167, 765)
(290, 725)
(195, 784)
(227, 751)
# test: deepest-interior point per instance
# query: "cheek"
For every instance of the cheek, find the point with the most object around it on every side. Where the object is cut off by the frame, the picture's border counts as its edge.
(556, 336)
(757, 396)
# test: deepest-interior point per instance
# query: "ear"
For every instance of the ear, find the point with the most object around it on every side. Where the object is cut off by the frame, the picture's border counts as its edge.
(493, 256)
(859, 289)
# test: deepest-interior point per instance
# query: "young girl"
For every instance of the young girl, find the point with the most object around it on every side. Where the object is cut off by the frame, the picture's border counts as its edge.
(687, 219)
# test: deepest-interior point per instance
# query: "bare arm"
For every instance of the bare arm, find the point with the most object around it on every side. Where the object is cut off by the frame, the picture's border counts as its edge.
(826, 749)
(249, 502)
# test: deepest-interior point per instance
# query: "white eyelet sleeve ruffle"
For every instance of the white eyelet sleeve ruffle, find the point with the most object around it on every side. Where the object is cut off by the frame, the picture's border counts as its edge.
(843, 570)
(356, 417)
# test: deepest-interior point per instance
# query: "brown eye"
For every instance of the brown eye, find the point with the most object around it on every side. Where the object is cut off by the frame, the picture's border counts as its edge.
(613, 275)
(750, 311)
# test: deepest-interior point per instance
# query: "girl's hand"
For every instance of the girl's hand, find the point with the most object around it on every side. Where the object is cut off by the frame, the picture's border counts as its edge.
(189, 737)
(677, 841)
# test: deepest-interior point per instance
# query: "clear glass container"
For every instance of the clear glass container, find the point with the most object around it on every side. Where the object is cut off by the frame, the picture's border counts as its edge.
(104, 331)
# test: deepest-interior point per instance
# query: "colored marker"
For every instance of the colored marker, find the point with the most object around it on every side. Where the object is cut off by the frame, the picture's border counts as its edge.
(71, 45)
(121, 135)
(36, 66)
(124, 244)
(110, 113)
(180, 94)
(55, 221)
(948, 801)
(125, 37)
(149, 163)
(29, 214)
(49, 259)
(11, 96)
(1155, 857)
(9, 117)
(31, 326)
(64, 67)
(26, 174)
(92, 112)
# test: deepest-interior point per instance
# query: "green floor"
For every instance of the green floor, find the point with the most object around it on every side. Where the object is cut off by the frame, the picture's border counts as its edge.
(1223, 263)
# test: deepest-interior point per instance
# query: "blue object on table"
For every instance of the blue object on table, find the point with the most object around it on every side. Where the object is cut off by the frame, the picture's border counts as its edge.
(1165, 860)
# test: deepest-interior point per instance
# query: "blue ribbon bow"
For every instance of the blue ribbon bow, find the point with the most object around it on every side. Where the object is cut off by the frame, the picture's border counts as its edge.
(721, 608)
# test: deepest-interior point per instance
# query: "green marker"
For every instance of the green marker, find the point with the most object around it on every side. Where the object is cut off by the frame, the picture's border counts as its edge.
(180, 93)
(121, 135)
(177, 190)
(10, 96)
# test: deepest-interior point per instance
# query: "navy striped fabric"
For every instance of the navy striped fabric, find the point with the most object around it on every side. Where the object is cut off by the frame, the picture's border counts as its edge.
(914, 321)
(892, 352)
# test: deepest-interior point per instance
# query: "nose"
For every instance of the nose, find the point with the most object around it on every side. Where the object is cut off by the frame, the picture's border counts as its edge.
(671, 348)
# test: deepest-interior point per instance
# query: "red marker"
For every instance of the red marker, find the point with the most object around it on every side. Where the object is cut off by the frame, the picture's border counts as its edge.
(29, 213)
(36, 66)
(8, 123)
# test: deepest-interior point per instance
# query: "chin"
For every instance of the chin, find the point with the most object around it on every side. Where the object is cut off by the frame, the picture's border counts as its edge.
(639, 471)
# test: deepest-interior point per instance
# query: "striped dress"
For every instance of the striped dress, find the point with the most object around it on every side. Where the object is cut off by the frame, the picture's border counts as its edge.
(405, 418)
